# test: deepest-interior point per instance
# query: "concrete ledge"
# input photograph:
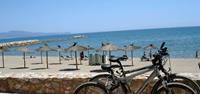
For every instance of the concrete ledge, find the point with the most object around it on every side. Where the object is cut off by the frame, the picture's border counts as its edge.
(55, 83)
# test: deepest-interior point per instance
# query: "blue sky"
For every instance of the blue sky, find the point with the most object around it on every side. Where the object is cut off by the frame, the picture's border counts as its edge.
(96, 15)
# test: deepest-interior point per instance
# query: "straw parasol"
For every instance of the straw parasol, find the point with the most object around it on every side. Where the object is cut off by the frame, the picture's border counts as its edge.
(2, 50)
(150, 47)
(24, 50)
(75, 48)
(59, 49)
(109, 47)
(46, 49)
(131, 47)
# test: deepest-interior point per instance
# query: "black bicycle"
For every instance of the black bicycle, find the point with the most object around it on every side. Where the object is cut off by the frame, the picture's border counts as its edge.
(120, 84)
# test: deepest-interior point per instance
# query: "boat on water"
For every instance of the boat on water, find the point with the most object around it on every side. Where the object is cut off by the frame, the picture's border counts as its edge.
(79, 36)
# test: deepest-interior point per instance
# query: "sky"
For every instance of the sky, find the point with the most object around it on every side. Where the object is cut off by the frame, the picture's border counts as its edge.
(79, 16)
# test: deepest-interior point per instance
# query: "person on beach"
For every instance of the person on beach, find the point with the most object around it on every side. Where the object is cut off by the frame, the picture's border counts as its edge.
(81, 55)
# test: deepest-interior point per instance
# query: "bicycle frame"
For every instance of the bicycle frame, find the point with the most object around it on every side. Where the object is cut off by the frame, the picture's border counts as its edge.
(155, 73)
(137, 72)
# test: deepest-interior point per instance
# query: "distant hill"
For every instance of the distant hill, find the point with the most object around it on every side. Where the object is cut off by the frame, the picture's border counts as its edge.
(23, 34)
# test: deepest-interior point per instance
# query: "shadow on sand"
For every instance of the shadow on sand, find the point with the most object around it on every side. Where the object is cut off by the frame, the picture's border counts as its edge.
(36, 63)
(127, 65)
(69, 69)
(55, 63)
(20, 68)
(75, 64)
(98, 70)
(39, 69)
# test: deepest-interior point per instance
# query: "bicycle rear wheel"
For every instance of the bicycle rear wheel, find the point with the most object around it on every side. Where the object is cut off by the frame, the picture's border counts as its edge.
(91, 88)
(175, 88)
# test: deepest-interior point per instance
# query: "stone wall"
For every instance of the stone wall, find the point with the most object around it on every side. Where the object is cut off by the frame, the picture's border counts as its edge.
(52, 85)
(40, 86)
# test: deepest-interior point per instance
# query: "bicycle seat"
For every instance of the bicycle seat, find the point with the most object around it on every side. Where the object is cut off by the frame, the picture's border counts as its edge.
(117, 59)
(108, 67)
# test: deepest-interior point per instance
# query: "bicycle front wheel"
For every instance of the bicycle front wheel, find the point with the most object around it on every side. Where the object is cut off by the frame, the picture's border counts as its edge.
(175, 88)
(180, 79)
(91, 88)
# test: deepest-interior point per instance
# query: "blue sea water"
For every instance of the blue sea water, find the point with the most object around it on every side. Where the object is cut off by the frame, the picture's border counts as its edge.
(182, 42)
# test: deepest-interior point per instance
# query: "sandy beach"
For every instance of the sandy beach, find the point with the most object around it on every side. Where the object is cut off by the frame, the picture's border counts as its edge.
(63, 78)
(14, 64)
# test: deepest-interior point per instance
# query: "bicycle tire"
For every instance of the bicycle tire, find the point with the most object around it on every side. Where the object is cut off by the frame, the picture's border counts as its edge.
(96, 78)
(94, 86)
(175, 78)
(175, 88)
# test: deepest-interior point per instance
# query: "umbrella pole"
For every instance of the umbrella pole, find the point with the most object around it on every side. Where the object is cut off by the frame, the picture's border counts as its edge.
(150, 54)
(47, 59)
(196, 56)
(80, 60)
(125, 52)
(109, 56)
(76, 60)
(88, 53)
(24, 60)
(103, 59)
(132, 57)
(59, 57)
(3, 58)
(70, 54)
(41, 57)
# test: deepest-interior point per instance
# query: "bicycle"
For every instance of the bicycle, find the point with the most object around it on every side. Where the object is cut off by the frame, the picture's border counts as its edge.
(168, 76)
(156, 66)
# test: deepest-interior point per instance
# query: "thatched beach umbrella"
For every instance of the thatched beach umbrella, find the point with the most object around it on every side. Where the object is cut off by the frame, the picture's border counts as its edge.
(46, 49)
(24, 50)
(109, 47)
(75, 48)
(59, 49)
(131, 48)
(150, 47)
(2, 50)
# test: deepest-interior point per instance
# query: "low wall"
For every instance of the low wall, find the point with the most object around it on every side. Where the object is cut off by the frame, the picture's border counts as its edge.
(40, 86)
(52, 84)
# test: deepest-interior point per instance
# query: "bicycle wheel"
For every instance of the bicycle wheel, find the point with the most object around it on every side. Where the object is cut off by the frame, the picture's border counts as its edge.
(103, 79)
(91, 88)
(175, 88)
(107, 81)
(181, 79)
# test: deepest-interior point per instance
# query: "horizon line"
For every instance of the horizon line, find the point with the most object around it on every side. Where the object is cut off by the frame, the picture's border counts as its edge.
(171, 27)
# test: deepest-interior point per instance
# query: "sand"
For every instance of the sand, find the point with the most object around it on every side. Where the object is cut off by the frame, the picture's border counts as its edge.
(14, 64)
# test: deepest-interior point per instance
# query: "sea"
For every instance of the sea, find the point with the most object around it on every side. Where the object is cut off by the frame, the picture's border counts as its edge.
(182, 42)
